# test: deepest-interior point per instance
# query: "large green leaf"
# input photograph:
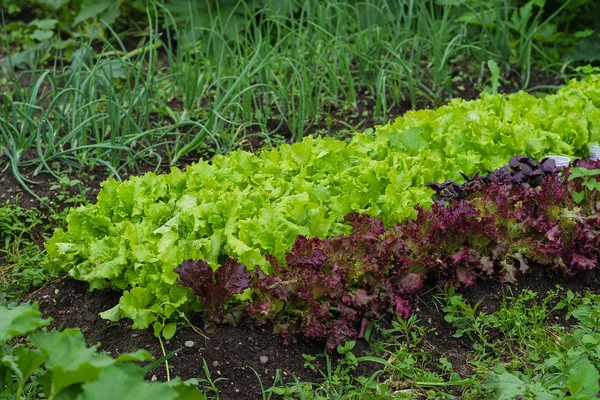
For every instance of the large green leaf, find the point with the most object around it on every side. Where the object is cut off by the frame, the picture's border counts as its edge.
(583, 380)
(95, 9)
(125, 382)
(186, 390)
(506, 385)
(28, 360)
(20, 320)
(69, 360)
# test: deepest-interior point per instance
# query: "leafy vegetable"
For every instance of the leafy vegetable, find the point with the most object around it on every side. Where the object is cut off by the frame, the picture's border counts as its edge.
(333, 288)
(67, 368)
(19, 321)
(520, 170)
(214, 288)
(245, 206)
(581, 376)
(583, 380)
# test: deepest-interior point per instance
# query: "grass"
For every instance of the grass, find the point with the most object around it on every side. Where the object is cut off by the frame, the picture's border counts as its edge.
(20, 252)
(22, 234)
(208, 83)
(523, 348)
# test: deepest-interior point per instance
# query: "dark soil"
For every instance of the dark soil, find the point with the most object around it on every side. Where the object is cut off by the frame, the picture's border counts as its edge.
(230, 352)
(237, 353)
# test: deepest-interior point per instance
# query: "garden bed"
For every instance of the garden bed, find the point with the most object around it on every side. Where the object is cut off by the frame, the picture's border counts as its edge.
(383, 273)
(241, 362)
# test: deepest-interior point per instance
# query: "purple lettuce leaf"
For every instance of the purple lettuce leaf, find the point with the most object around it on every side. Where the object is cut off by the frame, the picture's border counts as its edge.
(231, 278)
(196, 275)
(214, 288)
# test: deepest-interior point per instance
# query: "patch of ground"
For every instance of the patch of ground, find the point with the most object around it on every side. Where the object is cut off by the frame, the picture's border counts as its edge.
(233, 353)
(237, 353)
(489, 294)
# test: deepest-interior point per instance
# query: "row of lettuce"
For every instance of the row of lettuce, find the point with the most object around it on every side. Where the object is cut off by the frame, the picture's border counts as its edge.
(246, 206)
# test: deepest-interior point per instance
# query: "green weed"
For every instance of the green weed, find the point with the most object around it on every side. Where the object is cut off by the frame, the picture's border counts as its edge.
(22, 231)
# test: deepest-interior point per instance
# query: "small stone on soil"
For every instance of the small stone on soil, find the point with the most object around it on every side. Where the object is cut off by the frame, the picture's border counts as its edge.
(154, 378)
(189, 343)
(215, 363)
(264, 359)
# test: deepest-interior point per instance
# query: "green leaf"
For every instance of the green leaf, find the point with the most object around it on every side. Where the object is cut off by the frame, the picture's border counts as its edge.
(493, 66)
(92, 9)
(55, 5)
(582, 172)
(410, 140)
(186, 390)
(169, 330)
(111, 14)
(69, 359)
(138, 355)
(588, 49)
(20, 320)
(28, 360)
(583, 380)
(45, 24)
(539, 392)
(590, 338)
(112, 314)
(11, 362)
(23, 363)
(592, 184)
(27, 58)
(125, 382)
(113, 69)
(41, 35)
(579, 196)
(506, 385)
(134, 305)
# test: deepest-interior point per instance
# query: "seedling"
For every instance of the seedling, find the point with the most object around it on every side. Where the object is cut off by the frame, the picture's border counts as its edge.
(589, 183)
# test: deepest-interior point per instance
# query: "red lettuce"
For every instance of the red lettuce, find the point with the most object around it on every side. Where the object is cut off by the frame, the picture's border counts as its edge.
(333, 288)
(214, 288)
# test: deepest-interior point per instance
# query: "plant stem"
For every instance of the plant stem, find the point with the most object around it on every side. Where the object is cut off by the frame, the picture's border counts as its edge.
(162, 347)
